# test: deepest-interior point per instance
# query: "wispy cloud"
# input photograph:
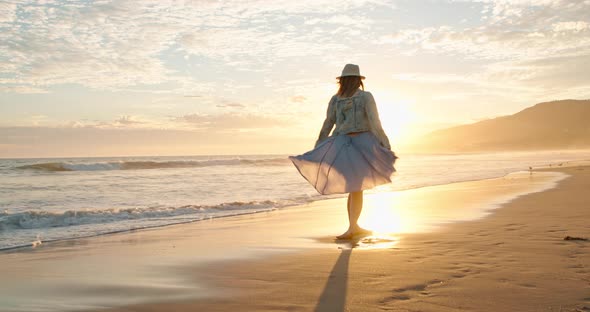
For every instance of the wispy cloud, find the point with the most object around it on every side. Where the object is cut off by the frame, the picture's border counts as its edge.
(227, 104)
(298, 99)
(509, 30)
(223, 122)
(536, 46)
(128, 120)
(21, 89)
(113, 44)
(60, 142)
(122, 122)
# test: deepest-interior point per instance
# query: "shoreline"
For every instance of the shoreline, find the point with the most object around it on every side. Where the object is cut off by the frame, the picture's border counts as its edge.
(170, 251)
(507, 261)
(33, 244)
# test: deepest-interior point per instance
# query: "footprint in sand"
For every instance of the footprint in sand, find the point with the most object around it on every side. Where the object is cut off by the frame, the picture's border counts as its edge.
(556, 231)
(480, 233)
(408, 292)
(399, 297)
(514, 226)
(527, 285)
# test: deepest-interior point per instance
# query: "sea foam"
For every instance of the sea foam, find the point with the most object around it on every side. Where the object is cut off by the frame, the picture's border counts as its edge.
(35, 219)
(137, 165)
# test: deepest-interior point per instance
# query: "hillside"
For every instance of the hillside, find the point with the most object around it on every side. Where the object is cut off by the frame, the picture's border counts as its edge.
(561, 124)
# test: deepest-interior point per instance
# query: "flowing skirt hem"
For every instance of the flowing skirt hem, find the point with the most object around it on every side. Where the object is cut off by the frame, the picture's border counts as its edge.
(343, 164)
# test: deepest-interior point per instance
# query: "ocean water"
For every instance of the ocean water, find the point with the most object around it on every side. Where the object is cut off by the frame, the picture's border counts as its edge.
(63, 198)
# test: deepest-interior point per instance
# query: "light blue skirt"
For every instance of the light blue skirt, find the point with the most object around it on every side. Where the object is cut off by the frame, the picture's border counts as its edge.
(346, 163)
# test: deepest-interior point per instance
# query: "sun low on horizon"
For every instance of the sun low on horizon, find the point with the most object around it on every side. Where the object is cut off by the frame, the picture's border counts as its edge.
(115, 78)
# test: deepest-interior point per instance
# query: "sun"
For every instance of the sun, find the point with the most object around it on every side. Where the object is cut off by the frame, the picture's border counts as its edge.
(396, 115)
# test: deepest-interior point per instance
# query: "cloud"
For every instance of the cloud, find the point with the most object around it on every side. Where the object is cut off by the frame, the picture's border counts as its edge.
(550, 77)
(117, 44)
(546, 75)
(340, 19)
(21, 89)
(60, 141)
(495, 44)
(230, 105)
(38, 119)
(122, 122)
(509, 30)
(298, 99)
(96, 46)
(128, 120)
(434, 78)
(224, 122)
(7, 12)
(570, 26)
(229, 121)
(536, 49)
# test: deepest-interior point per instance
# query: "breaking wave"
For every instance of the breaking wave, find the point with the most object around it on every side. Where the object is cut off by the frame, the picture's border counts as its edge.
(138, 165)
(43, 219)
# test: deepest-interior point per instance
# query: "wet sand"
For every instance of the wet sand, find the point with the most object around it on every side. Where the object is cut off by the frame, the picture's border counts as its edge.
(513, 260)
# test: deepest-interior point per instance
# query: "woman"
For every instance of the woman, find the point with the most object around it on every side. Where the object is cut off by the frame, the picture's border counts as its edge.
(357, 156)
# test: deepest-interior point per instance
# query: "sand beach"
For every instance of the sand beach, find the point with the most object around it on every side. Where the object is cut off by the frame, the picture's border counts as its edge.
(488, 245)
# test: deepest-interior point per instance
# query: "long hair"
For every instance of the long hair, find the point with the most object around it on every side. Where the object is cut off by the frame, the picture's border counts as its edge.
(349, 85)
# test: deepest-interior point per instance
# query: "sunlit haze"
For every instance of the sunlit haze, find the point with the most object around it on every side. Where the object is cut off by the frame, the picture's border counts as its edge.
(103, 78)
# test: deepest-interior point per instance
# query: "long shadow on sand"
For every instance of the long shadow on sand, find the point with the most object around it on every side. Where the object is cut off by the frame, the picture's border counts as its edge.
(333, 297)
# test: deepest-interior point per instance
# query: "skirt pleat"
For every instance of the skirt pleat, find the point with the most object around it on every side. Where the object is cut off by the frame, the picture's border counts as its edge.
(346, 163)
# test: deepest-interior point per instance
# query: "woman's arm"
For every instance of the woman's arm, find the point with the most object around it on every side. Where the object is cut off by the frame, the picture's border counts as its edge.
(374, 121)
(329, 122)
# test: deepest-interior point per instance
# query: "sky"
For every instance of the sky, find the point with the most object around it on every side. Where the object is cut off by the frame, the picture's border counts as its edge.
(117, 78)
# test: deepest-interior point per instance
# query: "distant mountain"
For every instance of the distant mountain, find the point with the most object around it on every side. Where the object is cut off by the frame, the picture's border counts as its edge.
(550, 125)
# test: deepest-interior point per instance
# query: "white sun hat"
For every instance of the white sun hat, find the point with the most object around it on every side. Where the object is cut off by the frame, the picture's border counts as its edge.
(351, 70)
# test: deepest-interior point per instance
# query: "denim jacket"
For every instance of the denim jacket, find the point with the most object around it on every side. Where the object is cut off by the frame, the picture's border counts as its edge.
(353, 114)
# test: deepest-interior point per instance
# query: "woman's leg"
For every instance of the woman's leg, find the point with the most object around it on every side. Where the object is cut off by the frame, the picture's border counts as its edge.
(355, 207)
(348, 207)
(348, 232)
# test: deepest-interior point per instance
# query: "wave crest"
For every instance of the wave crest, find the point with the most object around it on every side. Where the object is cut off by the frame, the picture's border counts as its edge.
(138, 165)
(42, 219)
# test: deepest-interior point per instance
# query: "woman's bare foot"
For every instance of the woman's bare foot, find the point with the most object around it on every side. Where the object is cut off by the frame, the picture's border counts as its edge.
(357, 231)
(360, 231)
(346, 235)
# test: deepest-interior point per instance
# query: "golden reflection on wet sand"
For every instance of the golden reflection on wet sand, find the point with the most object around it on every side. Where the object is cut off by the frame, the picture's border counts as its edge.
(426, 209)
